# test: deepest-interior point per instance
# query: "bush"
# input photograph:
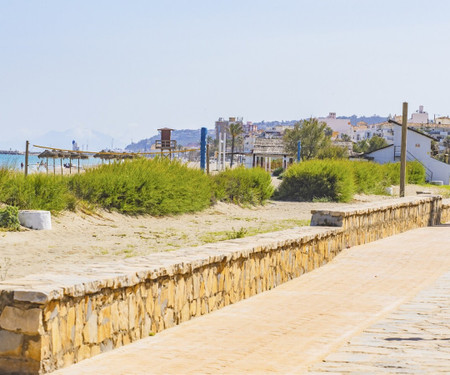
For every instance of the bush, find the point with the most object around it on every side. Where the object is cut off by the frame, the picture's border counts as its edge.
(370, 178)
(277, 171)
(156, 187)
(318, 180)
(9, 218)
(243, 186)
(35, 192)
(415, 172)
(338, 180)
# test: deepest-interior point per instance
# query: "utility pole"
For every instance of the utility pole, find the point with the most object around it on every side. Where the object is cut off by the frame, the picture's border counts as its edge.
(403, 150)
(27, 145)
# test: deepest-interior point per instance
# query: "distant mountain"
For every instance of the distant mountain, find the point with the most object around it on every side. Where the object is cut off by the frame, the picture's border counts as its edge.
(184, 137)
(86, 139)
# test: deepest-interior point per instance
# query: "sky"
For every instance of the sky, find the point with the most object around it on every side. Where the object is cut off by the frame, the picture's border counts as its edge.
(127, 68)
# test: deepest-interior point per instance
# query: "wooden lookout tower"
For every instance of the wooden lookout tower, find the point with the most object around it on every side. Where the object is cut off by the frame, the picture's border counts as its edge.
(166, 143)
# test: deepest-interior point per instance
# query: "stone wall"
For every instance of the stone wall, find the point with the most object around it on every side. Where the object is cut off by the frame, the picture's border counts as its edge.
(50, 321)
(373, 221)
(445, 211)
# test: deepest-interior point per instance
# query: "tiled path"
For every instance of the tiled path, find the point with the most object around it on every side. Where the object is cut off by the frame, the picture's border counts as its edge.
(415, 339)
(389, 299)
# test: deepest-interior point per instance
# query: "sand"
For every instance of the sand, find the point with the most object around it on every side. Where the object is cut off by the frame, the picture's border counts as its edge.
(80, 238)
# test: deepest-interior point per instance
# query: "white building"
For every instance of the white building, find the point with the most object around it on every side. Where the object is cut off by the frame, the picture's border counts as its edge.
(383, 130)
(339, 125)
(419, 117)
(418, 148)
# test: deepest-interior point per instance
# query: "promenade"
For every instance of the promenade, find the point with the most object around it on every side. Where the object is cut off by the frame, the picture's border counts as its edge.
(380, 308)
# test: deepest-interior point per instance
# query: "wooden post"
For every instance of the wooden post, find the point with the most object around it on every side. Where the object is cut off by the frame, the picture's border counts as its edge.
(403, 150)
(207, 158)
(27, 145)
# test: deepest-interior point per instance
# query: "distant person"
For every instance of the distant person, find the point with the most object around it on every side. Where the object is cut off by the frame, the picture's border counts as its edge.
(21, 165)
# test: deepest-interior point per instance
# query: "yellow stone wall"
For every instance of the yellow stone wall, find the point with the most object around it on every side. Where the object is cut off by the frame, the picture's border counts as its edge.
(52, 321)
(445, 211)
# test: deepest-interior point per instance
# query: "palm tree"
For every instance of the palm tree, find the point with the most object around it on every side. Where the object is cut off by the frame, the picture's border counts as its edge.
(235, 130)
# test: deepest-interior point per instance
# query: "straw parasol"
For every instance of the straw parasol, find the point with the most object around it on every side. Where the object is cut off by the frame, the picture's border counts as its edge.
(78, 156)
(104, 155)
(46, 155)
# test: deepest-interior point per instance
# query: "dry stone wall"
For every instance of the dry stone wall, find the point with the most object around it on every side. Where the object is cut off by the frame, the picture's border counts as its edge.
(50, 321)
(445, 211)
(373, 221)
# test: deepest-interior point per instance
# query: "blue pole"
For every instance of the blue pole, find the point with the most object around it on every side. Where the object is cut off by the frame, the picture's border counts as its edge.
(299, 149)
(203, 148)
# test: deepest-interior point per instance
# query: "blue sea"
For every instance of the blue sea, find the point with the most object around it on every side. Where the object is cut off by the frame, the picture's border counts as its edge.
(14, 161)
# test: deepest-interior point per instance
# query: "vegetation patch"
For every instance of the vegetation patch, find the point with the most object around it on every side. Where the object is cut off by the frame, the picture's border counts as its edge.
(318, 179)
(243, 186)
(9, 218)
(156, 187)
(35, 192)
(339, 180)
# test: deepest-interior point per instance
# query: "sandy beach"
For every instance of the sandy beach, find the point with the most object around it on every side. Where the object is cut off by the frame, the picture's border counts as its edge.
(80, 238)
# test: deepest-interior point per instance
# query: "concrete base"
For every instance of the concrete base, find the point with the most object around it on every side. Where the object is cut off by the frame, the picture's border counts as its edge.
(36, 219)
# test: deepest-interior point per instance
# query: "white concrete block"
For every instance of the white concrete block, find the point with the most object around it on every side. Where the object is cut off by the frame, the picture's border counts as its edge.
(35, 219)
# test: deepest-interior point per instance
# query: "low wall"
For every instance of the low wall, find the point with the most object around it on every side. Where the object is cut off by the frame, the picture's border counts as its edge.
(445, 211)
(373, 221)
(51, 321)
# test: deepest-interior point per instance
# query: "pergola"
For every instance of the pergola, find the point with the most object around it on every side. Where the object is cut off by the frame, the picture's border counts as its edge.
(266, 149)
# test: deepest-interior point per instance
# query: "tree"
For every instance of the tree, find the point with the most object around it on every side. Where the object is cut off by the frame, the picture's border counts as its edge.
(235, 130)
(369, 145)
(312, 135)
(345, 137)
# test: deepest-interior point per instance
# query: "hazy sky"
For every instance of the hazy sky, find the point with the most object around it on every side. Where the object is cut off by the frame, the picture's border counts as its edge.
(126, 68)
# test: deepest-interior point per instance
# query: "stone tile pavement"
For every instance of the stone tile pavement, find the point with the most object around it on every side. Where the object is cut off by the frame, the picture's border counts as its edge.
(362, 313)
(414, 339)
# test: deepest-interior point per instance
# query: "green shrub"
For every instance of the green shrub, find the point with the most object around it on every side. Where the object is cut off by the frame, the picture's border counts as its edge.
(35, 192)
(156, 187)
(338, 180)
(243, 186)
(318, 179)
(370, 178)
(277, 171)
(9, 218)
(415, 172)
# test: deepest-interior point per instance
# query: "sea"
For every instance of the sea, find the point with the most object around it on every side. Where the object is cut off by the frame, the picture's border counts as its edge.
(14, 162)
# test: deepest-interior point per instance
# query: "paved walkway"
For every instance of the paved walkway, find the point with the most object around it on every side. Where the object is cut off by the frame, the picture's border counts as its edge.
(378, 308)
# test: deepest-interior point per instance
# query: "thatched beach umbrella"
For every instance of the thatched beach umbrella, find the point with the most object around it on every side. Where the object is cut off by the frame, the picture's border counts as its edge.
(63, 155)
(104, 155)
(78, 156)
(46, 155)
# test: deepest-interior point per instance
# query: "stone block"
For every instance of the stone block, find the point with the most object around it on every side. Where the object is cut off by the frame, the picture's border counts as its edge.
(10, 343)
(18, 320)
(55, 337)
(90, 330)
(34, 349)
